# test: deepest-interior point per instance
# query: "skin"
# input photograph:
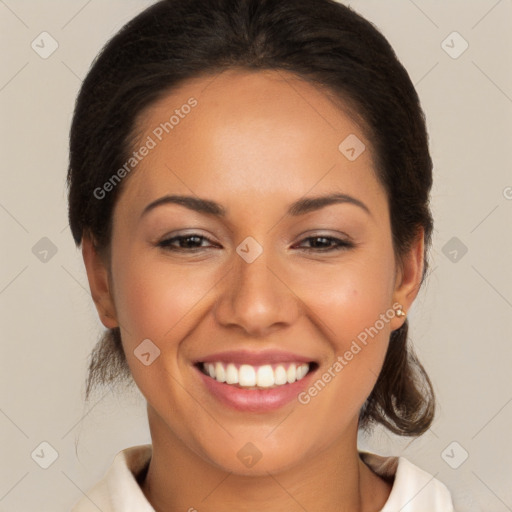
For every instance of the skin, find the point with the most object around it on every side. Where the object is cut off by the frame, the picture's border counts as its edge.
(256, 142)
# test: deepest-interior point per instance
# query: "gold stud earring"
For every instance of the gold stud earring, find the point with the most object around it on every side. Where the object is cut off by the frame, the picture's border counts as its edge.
(400, 312)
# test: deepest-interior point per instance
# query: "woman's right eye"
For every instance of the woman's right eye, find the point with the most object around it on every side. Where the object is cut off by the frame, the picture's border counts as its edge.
(184, 243)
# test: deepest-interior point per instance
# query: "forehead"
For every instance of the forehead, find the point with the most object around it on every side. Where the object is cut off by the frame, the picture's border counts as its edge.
(264, 132)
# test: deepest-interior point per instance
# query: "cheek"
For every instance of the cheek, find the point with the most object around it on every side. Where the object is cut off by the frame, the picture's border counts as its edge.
(350, 316)
(349, 297)
(153, 296)
(352, 306)
(160, 302)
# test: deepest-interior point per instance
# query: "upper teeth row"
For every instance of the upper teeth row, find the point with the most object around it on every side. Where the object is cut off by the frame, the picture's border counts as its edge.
(262, 376)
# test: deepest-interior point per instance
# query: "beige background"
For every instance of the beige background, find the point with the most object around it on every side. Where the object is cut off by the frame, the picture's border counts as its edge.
(461, 323)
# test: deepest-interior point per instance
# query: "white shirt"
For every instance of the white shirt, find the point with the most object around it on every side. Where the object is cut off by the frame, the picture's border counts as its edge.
(414, 490)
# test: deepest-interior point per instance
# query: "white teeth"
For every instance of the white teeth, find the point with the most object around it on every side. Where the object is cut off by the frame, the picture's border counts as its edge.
(231, 374)
(280, 376)
(301, 371)
(246, 376)
(291, 374)
(265, 376)
(220, 374)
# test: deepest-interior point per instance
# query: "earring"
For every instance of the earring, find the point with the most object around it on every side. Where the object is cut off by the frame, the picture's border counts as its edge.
(400, 312)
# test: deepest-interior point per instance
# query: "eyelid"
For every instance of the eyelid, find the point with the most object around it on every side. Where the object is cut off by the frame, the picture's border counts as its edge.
(324, 234)
(188, 232)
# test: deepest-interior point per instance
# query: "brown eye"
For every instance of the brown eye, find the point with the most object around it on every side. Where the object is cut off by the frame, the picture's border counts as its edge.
(190, 242)
(325, 244)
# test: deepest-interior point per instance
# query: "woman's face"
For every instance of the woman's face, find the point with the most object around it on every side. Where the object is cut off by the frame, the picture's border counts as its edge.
(263, 285)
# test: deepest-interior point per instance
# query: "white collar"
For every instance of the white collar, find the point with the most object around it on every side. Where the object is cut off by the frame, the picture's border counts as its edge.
(414, 490)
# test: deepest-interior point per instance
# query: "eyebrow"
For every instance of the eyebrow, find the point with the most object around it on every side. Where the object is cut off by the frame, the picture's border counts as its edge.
(299, 207)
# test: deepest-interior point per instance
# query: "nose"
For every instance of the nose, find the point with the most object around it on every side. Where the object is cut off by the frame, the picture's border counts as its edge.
(257, 297)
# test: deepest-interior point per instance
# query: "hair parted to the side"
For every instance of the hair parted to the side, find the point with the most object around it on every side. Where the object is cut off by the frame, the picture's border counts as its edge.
(321, 41)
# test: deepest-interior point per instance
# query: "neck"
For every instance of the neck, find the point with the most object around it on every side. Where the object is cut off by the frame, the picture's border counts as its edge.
(334, 480)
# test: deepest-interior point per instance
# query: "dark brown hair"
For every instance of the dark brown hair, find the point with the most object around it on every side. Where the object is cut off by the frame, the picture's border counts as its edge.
(321, 41)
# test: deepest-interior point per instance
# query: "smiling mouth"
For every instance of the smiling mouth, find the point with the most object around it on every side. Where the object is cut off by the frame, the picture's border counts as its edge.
(248, 376)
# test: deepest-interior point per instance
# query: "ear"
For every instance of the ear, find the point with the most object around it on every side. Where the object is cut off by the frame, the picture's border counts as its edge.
(98, 276)
(408, 279)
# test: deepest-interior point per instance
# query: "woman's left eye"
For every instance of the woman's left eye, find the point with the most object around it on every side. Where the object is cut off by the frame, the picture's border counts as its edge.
(338, 244)
(193, 242)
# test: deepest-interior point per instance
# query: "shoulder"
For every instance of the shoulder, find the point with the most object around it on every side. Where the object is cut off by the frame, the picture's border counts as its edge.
(118, 490)
(96, 497)
(414, 490)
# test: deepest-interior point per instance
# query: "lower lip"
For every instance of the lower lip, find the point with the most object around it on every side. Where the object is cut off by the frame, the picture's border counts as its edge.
(255, 400)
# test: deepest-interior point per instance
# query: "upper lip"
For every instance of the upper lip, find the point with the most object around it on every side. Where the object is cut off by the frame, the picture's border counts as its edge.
(255, 358)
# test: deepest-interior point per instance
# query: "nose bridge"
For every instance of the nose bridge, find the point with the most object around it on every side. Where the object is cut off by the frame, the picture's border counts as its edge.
(255, 296)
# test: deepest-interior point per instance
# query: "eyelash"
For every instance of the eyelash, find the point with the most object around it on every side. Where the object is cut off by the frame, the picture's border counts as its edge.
(339, 244)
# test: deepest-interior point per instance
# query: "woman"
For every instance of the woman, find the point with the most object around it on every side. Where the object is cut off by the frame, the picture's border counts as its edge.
(249, 181)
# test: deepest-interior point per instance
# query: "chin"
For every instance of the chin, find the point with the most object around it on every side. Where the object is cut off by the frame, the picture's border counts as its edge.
(254, 459)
